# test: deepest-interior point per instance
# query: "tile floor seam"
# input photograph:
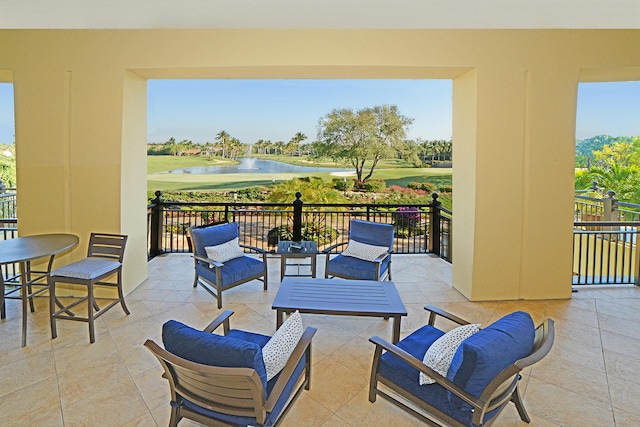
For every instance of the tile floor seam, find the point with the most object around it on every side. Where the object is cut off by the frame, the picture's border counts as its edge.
(606, 370)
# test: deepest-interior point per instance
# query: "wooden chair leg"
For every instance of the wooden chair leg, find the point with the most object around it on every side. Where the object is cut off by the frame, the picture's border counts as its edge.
(90, 302)
(29, 287)
(173, 421)
(517, 400)
(3, 312)
(120, 295)
(52, 308)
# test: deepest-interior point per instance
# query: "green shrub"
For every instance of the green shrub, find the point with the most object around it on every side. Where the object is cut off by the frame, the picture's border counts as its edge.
(426, 186)
(341, 184)
(446, 189)
(375, 185)
(312, 231)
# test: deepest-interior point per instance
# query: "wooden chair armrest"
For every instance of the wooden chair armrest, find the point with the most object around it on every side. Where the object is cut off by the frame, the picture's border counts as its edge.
(382, 257)
(222, 319)
(409, 359)
(213, 262)
(298, 353)
(254, 248)
(435, 311)
(330, 248)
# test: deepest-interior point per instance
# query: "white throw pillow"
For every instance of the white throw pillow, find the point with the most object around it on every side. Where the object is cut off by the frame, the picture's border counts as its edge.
(278, 349)
(225, 251)
(364, 251)
(439, 356)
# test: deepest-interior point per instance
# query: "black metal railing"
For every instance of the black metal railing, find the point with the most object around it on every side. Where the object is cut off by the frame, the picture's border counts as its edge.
(420, 228)
(8, 205)
(605, 253)
(9, 230)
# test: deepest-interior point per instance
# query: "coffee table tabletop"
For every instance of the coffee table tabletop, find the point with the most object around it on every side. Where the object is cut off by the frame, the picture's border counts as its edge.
(340, 297)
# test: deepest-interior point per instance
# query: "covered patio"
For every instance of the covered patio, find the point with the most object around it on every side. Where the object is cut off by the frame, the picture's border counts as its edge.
(590, 377)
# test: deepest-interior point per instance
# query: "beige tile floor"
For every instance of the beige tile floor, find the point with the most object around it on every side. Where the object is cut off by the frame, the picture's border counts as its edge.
(591, 377)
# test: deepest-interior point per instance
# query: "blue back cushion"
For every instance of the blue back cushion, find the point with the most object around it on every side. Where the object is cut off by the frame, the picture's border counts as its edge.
(212, 236)
(212, 349)
(486, 353)
(371, 233)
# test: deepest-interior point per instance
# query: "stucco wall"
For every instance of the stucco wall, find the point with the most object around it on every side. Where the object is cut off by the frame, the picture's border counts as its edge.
(80, 127)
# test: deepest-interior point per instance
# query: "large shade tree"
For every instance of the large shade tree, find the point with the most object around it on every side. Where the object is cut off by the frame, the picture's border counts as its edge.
(363, 137)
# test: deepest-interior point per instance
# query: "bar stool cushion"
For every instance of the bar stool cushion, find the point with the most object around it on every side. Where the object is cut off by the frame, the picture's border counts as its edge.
(87, 269)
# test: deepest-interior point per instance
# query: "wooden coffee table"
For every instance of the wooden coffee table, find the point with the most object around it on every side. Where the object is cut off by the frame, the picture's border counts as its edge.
(340, 297)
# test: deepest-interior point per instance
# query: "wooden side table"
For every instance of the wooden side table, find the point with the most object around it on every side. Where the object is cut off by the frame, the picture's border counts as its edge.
(307, 249)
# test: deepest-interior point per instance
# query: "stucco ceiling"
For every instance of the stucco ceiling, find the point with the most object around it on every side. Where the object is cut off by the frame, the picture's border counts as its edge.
(144, 14)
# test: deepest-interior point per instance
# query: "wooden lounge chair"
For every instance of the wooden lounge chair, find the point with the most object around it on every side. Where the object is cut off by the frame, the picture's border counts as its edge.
(220, 379)
(483, 376)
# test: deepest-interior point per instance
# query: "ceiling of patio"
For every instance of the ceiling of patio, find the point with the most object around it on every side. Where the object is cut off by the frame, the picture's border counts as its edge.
(321, 14)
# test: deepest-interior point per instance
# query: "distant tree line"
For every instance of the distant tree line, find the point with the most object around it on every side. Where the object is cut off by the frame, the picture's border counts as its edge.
(359, 138)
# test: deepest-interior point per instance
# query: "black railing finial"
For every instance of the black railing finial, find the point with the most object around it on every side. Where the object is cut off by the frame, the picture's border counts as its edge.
(297, 218)
(156, 225)
(434, 225)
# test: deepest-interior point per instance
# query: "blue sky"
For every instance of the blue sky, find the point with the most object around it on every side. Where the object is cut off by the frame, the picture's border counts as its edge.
(275, 110)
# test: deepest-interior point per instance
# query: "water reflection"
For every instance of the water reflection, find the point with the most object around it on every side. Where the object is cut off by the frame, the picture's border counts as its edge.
(253, 165)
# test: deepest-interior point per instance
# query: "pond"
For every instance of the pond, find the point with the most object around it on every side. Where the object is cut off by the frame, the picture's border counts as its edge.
(253, 165)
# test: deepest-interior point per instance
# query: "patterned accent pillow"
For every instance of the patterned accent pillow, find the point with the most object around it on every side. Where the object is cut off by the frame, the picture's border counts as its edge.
(439, 356)
(225, 251)
(278, 349)
(364, 251)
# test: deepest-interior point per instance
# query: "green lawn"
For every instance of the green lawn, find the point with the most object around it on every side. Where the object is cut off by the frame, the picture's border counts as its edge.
(167, 163)
(394, 172)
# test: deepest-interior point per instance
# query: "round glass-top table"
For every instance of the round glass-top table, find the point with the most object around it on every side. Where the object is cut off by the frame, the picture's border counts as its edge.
(23, 250)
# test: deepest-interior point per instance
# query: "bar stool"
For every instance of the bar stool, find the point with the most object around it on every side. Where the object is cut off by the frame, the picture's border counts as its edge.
(104, 259)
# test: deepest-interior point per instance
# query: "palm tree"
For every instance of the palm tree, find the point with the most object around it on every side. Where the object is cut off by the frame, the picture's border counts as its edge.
(294, 144)
(623, 180)
(223, 138)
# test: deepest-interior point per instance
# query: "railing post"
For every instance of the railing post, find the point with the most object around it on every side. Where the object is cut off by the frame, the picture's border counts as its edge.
(297, 218)
(610, 207)
(636, 259)
(610, 213)
(434, 225)
(156, 225)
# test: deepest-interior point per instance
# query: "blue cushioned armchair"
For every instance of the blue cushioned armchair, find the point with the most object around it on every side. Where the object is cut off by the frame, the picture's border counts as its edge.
(215, 276)
(483, 376)
(221, 379)
(348, 267)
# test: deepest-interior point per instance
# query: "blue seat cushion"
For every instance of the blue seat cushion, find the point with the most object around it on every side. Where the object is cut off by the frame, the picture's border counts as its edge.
(212, 236)
(234, 270)
(237, 350)
(416, 344)
(407, 377)
(486, 353)
(355, 267)
(88, 268)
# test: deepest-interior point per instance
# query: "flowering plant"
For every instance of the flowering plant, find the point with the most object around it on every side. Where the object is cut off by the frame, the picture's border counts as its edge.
(407, 216)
